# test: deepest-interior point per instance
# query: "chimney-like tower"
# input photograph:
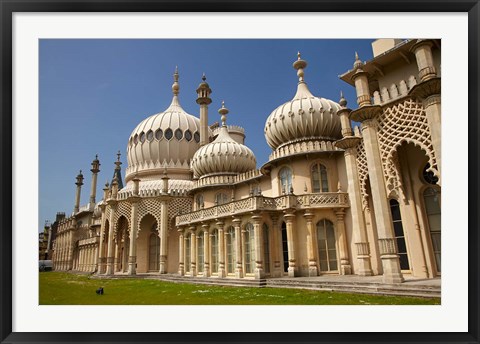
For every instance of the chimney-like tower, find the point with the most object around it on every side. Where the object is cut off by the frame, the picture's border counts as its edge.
(203, 99)
(93, 190)
(79, 184)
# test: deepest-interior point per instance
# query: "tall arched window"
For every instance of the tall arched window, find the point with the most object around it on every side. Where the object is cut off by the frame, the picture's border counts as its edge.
(319, 178)
(154, 252)
(230, 243)
(285, 178)
(431, 197)
(199, 202)
(221, 198)
(214, 243)
(249, 248)
(188, 257)
(399, 234)
(266, 249)
(327, 252)
(285, 247)
(200, 252)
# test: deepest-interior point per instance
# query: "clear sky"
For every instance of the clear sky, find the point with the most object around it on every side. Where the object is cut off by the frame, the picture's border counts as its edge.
(94, 92)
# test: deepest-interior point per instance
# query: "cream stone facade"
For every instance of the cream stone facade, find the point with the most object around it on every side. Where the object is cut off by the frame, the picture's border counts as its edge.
(343, 192)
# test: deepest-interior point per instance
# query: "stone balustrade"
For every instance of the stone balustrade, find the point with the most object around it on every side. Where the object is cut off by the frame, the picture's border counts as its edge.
(302, 148)
(88, 241)
(261, 203)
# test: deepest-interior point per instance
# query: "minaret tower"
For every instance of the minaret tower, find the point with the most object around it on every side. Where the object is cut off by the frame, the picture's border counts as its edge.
(93, 190)
(79, 184)
(203, 99)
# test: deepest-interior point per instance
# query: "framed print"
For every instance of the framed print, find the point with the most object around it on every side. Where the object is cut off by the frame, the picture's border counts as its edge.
(271, 218)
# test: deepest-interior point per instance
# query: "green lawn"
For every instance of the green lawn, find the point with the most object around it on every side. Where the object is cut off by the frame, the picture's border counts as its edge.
(57, 288)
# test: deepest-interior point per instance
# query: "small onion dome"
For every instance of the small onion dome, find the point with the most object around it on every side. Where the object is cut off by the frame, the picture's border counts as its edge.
(358, 63)
(305, 117)
(224, 155)
(166, 139)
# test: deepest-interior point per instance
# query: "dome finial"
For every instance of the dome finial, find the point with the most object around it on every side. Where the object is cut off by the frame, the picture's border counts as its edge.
(175, 86)
(223, 111)
(204, 78)
(342, 101)
(299, 65)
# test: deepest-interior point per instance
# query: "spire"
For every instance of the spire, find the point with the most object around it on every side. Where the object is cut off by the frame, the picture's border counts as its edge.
(342, 101)
(176, 85)
(117, 173)
(358, 63)
(302, 89)
(223, 111)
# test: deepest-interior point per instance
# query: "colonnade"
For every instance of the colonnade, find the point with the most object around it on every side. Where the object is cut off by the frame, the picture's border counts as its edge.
(216, 247)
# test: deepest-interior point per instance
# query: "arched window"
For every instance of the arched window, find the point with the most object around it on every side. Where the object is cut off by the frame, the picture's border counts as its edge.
(200, 252)
(266, 249)
(285, 177)
(154, 252)
(199, 202)
(399, 234)
(431, 197)
(249, 248)
(214, 243)
(188, 257)
(327, 252)
(319, 178)
(230, 243)
(221, 198)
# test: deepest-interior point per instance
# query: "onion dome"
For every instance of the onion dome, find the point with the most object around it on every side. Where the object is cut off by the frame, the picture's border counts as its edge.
(305, 117)
(224, 155)
(166, 139)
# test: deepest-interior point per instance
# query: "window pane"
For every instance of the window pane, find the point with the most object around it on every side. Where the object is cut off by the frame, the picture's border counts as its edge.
(404, 262)
(398, 228)
(402, 247)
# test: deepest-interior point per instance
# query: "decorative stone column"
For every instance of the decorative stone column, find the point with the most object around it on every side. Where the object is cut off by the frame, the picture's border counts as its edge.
(345, 267)
(70, 250)
(383, 218)
(367, 114)
(132, 255)
(193, 252)
(102, 261)
(181, 250)
(238, 247)
(259, 271)
(117, 259)
(289, 219)
(110, 248)
(349, 144)
(163, 236)
(277, 268)
(428, 92)
(221, 249)
(312, 262)
(206, 251)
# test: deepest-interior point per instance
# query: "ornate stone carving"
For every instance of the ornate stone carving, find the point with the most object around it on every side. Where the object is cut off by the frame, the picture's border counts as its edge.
(387, 246)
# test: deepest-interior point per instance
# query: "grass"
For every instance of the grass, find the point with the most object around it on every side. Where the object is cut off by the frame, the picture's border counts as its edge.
(57, 288)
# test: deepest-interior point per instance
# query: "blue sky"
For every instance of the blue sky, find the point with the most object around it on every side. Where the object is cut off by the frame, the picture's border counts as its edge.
(94, 92)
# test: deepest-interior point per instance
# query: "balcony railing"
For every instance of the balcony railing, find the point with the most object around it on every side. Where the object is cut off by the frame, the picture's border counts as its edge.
(261, 203)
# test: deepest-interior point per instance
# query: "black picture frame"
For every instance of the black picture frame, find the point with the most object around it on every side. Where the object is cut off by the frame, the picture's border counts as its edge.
(9, 7)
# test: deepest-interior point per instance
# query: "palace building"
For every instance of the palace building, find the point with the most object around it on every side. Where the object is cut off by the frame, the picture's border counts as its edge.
(343, 192)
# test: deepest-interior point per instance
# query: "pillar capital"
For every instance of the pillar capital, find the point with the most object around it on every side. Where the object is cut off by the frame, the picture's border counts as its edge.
(289, 215)
(427, 88)
(236, 221)
(308, 216)
(366, 112)
(220, 224)
(348, 142)
(256, 217)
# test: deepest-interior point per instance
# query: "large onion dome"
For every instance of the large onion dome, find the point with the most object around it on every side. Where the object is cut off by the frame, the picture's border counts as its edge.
(224, 155)
(305, 117)
(168, 139)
